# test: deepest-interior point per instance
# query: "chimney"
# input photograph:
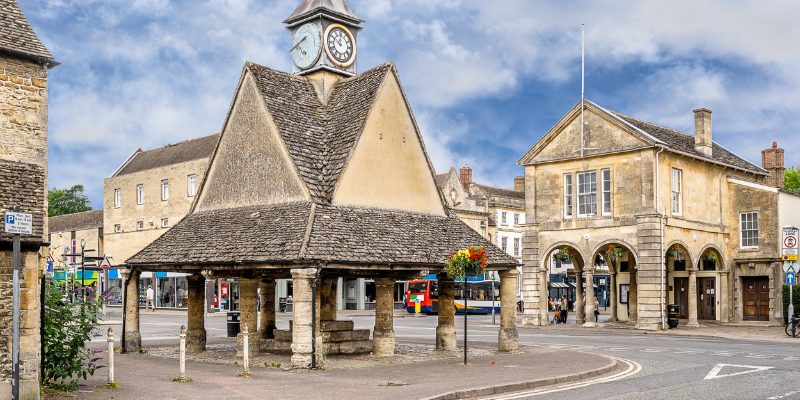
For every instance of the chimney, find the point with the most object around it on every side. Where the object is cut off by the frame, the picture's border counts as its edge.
(772, 161)
(702, 131)
(466, 176)
(519, 184)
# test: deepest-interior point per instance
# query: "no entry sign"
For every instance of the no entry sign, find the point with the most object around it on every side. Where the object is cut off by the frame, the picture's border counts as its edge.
(789, 244)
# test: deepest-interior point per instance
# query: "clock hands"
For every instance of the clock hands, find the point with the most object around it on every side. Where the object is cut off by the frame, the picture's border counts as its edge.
(298, 43)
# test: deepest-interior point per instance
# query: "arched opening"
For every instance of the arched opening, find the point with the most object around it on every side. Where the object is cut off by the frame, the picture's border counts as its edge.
(615, 278)
(681, 280)
(564, 265)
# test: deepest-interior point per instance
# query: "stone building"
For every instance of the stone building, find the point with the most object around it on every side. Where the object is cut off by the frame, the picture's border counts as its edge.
(337, 183)
(677, 218)
(24, 64)
(67, 231)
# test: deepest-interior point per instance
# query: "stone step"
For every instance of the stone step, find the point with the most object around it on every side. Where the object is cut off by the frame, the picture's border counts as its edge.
(351, 347)
(348, 336)
(283, 335)
(334, 326)
(276, 346)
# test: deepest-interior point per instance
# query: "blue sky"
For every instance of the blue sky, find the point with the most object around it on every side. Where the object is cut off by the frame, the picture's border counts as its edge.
(486, 79)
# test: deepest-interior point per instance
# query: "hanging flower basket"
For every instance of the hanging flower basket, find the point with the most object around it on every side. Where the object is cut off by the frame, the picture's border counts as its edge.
(565, 255)
(675, 252)
(615, 253)
(469, 262)
(710, 255)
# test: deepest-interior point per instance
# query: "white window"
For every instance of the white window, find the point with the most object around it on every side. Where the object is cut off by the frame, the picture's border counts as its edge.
(165, 190)
(749, 229)
(117, 198)
(117, 228)
(191, 186)
(677, 187)
(606, 203)
(504, 243)
(516, 247)
(587, 193)
(516, 219)
(164, 222)
(139, 225)
(568, 195)
(139, 194)
(504, 218)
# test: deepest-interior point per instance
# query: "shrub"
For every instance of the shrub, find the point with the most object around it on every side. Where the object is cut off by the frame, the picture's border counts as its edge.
(795, 298)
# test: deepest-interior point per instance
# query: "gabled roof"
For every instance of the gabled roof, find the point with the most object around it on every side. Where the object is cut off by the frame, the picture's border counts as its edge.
(441, 179)
(492, 191)
(337, 8)
(23, 185)
(170, 154)
(319, 137)
(303, 232)
(76, 222)
(18, 38)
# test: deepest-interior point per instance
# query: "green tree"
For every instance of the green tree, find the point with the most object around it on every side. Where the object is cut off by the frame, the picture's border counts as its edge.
(791, 180)
(67, 201)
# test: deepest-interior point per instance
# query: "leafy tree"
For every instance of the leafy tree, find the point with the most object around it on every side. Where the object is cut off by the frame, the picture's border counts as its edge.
(67, 201)
(791, 180)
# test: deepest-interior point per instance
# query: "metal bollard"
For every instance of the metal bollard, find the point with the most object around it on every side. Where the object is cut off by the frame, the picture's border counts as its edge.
(245, 347)
(110, 356)
(182, 371)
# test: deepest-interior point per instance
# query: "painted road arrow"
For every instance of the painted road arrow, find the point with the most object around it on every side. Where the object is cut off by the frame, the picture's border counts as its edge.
(715, 372)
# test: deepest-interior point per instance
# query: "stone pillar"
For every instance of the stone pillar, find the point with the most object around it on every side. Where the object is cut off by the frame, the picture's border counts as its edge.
(327, 292)
(508, 337)
(651, 278)
(383, 334)
(534, 278)
(301, 318)
(248, 308)
(446, 330)
(580, 315)
(692, 298)
(724, 303)
(589, 306)
(633, 302)
(266, 327)
(612, 295)
(133, 338)
(196, 334)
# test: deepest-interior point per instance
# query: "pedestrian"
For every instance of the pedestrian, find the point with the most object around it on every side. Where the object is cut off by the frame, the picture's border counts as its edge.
(564, 309)
(596, 310)
(150, 295)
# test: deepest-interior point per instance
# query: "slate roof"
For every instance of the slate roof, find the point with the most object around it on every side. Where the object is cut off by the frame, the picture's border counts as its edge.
(319, 137)
(23, 185)
(76, 222)
(18, 38)
(303, 232)
(170, 154)
(492, 191)
(338, 8)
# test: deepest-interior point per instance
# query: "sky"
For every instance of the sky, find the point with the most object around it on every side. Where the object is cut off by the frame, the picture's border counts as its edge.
(486, 79)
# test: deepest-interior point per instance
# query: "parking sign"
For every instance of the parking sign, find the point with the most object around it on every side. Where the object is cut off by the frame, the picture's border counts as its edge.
(18, 223)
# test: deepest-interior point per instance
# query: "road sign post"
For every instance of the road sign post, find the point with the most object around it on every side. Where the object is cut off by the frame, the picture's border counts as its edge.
(789, 253)
(17, 224)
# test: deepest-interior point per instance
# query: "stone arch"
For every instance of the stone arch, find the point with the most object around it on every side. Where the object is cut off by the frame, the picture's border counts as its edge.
(720, 261)
(559, 245)
(575, 295)
(614, 270)
(688, 254)
(605, 243)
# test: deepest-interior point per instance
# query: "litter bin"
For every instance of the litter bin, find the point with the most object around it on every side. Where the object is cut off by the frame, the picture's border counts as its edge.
(233, 323)
(672, 315)
(282, 304)
(289, 304)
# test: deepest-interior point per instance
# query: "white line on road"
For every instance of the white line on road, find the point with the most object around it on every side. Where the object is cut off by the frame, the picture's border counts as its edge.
(715, 372)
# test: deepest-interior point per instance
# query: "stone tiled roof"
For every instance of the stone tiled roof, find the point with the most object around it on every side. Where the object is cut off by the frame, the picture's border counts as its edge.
(281, 234)
(170, 154)
(23, 185)
(319, 137)
(441, 179)
(338, 8)
(17, 37)
(76, 222)
(498, 192)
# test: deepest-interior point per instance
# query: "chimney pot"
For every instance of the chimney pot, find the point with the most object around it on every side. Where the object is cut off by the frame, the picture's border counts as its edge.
(466, 176)
(703, 141)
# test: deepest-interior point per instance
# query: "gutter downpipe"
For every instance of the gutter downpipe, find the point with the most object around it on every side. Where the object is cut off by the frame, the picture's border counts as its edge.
(663, 265)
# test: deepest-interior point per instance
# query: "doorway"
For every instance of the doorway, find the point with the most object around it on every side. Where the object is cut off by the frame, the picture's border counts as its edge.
(706, 298)
(682, 297)
(756, 298)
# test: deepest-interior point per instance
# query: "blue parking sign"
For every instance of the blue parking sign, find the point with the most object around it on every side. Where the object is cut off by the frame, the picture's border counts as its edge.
(10, 219)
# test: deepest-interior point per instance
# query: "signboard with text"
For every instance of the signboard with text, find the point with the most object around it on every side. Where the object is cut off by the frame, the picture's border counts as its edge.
(789, 244)
(19, 223)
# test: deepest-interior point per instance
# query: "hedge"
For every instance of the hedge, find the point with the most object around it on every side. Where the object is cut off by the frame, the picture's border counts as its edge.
(795, 298)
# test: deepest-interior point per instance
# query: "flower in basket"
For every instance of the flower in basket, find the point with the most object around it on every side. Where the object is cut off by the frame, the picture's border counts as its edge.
(710, 255)
(565, 255)
(615, 253)
(468, 262)
(675, 252)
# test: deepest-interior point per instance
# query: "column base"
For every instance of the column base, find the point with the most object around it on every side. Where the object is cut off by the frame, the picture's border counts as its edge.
(693, 324)
(446, 338)
(590, 324)
(195, 340)
(534, 320)
(383, 343)
(301, 360)
(133, 342)
(508, 340)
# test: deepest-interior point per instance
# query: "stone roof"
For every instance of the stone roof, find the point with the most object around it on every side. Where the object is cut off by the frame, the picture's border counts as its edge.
(18, 38)
(441, 179)
(23, 185)
(319, 137)
(303, 232)
(188, 150)
(337, 8)
(492, 191)
(76, 222)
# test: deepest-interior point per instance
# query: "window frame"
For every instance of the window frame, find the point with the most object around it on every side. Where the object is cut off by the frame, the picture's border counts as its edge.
(117, 228)
(504, 218)
(164, 189)
(165, 222)
(517, 246)
(592, 195)
(504, 244)
(191, 185)
(606, 196)
(140, 194)
(679, 198)
(569, 199)
(742, 229)
(516, 219)
(117, 198)
(139, 225)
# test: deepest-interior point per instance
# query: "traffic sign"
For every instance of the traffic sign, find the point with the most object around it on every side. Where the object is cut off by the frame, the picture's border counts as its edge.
(790, 278)
(789, 266)
(19, 223)
(105, 264)
(789, 243)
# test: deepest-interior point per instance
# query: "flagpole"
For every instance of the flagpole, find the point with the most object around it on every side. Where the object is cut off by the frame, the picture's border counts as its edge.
(583, 63)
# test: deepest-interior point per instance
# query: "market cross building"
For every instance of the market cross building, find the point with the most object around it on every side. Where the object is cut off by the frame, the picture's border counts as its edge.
(318, 175)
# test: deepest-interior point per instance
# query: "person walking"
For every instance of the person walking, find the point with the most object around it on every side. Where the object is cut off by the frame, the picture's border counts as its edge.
(150, 295)
(596, 309)
(564, 309)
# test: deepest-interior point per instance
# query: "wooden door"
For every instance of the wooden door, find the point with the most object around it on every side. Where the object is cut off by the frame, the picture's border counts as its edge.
(706, 299)
(756, 298)
(682, 297)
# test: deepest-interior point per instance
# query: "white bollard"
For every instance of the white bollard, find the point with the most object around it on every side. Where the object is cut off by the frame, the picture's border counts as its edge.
(110, 356)
(182, 371)
(245, 348)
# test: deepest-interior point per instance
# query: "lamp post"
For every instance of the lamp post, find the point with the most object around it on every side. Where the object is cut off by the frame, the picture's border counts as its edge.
(466, 313)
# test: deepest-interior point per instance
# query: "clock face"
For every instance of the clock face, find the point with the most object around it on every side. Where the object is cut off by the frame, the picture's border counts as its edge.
(340, 45)
(306, 46)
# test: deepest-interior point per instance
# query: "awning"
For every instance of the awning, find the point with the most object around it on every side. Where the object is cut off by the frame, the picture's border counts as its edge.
(91, 277)
(559, 285)
(584, 285)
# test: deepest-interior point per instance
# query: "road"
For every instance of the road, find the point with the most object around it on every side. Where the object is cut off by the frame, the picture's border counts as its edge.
(671, 367)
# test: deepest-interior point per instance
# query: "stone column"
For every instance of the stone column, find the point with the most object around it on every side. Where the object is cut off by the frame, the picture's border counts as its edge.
(266, 327)
(633, 298)
(612, 295)
(248, 308)
(534, 278)
(301, 318)
(589, 306)
(508, 337)
(133, 338)
(692, 298)
(580, 316)
(651, 286)
(383, 334)
(196, 334)
(446, 330)
(327, 292)
(724, 312)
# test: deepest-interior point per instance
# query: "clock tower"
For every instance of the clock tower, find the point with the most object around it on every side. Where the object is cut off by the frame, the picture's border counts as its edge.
(324, 37)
